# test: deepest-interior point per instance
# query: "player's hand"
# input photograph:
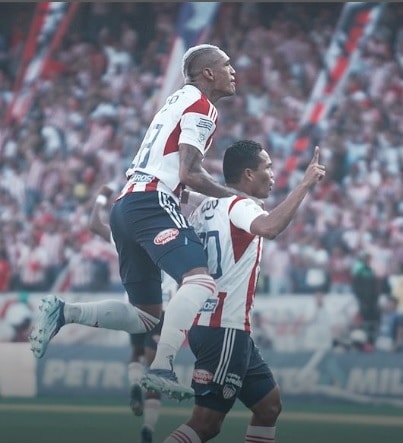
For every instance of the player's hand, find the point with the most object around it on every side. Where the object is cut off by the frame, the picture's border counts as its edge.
(105, 190)
(315, 171)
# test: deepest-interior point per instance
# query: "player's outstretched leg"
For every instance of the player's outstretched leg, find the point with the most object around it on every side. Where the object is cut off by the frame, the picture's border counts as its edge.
(47, 325)
(166, 382)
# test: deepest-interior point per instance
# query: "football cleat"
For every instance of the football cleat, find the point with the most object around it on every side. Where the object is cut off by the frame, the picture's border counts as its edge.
(164, 381)
(47, 325)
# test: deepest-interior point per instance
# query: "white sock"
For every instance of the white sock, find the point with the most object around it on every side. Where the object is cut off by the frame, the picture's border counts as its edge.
(151, 412)
(263, 434)
(110, 314)
(183, 434)
(179, 316)
(135, 370)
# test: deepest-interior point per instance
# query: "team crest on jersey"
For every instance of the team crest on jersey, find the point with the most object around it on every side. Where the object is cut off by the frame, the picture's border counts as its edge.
(166, 236)
(202, 137)
(228, 391)
(202, 376)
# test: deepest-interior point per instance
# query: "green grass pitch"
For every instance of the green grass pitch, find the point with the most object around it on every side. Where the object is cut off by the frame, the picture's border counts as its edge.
(82, 420)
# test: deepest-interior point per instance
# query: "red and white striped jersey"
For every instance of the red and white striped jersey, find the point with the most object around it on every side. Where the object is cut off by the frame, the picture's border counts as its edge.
(233, 259)
(187, 117)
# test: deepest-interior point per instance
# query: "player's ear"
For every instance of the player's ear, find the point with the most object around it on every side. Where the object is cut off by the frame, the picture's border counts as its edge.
(208, 73)
(248, 174)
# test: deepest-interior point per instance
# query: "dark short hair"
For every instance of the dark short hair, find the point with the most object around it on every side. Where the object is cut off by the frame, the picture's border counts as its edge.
(239, 156)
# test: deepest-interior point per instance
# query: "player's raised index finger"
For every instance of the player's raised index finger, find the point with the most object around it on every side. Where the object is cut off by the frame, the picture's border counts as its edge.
(316, 155)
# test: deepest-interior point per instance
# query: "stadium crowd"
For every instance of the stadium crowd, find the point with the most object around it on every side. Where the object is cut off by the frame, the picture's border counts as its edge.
(98, 93)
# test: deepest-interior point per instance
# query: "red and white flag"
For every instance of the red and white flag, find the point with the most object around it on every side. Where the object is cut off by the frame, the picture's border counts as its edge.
(193, 23)
(49, 24)
(357, 21)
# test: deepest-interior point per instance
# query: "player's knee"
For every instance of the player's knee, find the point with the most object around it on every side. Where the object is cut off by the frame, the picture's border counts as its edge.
(267, 416)
(208, 429)
(268, 410)
(211, 431)
(274, 411)
(206, 422)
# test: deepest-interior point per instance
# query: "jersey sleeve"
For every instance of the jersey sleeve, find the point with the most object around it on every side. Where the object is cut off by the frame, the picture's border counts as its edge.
(243, 212)
(198, 124)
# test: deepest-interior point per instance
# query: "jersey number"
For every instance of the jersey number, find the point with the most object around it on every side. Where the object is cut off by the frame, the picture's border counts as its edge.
(212, 247)
(149, 139)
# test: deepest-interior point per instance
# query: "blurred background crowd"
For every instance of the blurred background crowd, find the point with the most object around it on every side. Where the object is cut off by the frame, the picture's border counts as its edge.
(99, 92)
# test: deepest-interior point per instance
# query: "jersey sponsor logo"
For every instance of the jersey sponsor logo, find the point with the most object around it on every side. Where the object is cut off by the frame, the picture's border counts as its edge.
(209, 305)
(204, 129)
(166, 236)
(233, 379)
(202, 376)
(208, 209)
(139, 177)
(204, 123)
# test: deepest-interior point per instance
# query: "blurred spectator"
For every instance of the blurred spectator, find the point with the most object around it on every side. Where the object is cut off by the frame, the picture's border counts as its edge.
(16, 318)
(33, 262)
(340, 270)
(5, 268)
(318, 332)
(390, 333)
(298, 271)
(317, 272)
(365, 287)
(396, 285)
(276, 265)
(85, 272)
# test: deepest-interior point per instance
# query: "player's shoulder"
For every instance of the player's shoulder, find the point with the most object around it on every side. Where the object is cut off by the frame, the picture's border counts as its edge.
(211, 205)
(195, 101)
(187, 93)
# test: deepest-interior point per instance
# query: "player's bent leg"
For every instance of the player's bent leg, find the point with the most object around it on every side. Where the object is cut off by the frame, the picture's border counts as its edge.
(203, 426)
(262, 425)
(206, 422)
(47, 325)
(267, 410)
(179, 316)
(111, 314)
(183, 433)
